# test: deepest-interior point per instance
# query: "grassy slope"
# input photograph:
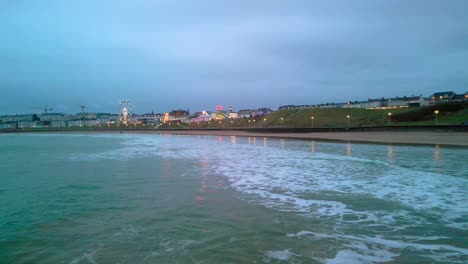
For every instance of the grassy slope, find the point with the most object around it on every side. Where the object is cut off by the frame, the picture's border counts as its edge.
(449, 113)
(332, 117)
(459, 117)
(336, 117)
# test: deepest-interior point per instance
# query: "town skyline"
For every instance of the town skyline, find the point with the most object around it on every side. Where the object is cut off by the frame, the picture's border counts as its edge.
(48, 109)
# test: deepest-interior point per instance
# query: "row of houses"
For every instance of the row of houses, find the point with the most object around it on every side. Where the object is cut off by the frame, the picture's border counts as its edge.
(395, 102)
(56, 120)
(444, 97)
(382, 103)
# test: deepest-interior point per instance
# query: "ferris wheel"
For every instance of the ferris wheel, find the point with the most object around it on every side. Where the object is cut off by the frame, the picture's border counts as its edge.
(125, 111)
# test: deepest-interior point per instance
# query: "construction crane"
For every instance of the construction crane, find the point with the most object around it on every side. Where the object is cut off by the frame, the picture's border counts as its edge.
(45, 108)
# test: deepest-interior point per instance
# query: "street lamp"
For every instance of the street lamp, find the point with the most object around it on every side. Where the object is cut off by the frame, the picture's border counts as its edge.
(282, 121)
(389, 118)
(231, 123)
(436, 113)
(249, 122)
(348, 120)
(312, 120)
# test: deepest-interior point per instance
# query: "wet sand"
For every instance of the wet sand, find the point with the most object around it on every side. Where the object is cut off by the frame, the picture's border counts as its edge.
(458, 139)
(453, 139)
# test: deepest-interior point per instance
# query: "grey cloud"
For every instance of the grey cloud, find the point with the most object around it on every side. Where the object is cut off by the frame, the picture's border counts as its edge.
(198, 53)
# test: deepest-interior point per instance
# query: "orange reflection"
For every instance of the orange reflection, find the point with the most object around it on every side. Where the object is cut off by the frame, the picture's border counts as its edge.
(166, 167)
(203, 179)
(200, 198)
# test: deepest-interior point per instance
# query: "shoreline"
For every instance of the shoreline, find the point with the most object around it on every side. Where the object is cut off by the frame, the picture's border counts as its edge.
(412, 138)
(450, 139)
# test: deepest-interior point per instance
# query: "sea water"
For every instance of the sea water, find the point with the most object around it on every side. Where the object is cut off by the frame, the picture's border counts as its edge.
(128, 198)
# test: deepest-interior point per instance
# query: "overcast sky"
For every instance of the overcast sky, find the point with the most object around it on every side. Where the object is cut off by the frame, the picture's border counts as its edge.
(167, 54)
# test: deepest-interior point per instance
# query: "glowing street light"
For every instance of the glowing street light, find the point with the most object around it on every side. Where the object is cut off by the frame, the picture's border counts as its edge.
(282, 121)
(312, 120)
(436, 113)
(348, 116)
(389, 118)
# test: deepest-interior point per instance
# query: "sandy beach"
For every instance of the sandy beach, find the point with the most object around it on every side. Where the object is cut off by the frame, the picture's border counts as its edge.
(456, 139)
(453, 139)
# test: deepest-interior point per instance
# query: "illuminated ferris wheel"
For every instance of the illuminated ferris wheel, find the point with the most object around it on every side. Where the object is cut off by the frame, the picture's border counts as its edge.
(125, 111)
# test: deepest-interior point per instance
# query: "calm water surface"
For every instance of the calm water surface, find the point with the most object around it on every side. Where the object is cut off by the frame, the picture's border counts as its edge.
(198, 199)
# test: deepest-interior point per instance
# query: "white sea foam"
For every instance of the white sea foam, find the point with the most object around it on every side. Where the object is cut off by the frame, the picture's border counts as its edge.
(322, 185)
(365, 249)
(279, 255)
(312, 183)
(87, 257)
(352, 257)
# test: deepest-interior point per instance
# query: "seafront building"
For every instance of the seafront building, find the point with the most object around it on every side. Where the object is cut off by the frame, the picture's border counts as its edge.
(201, 117)
(390, 103)
(444, 97)
(254, 112)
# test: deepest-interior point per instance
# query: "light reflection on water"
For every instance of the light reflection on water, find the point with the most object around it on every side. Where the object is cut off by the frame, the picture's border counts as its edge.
(437, 152)
(348, 150)
(390, 152)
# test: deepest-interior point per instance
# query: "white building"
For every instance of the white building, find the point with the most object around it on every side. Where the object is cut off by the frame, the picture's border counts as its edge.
(26, 124)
